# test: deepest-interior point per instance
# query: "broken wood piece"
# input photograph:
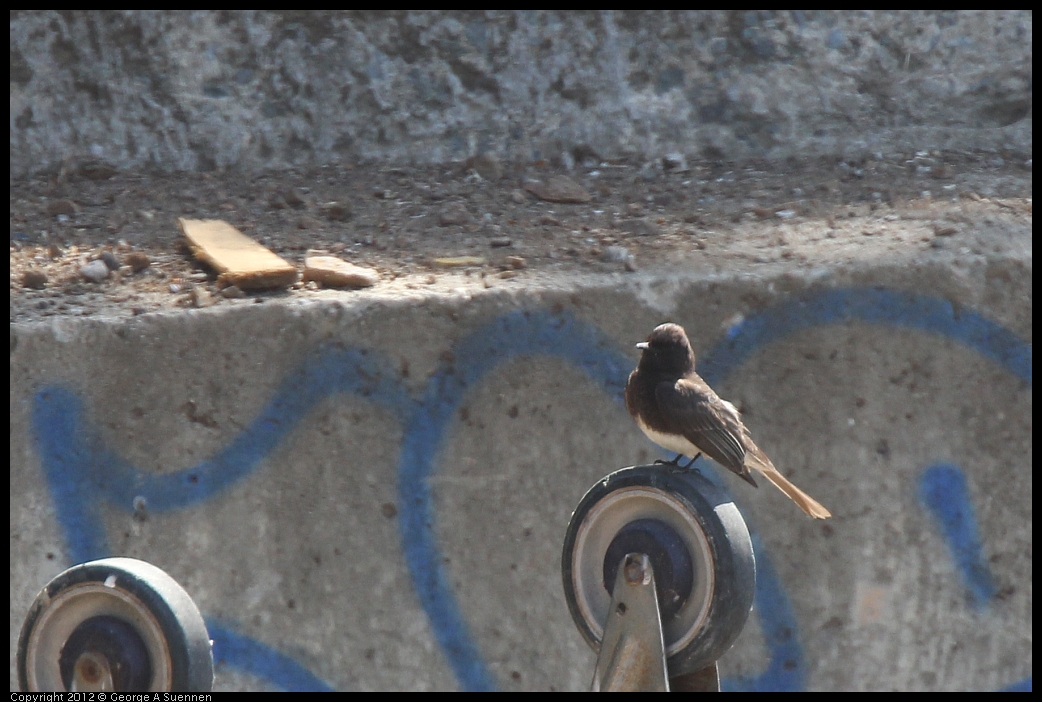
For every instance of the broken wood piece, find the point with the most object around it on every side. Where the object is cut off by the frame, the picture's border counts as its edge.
(238, 259)
(457, 261)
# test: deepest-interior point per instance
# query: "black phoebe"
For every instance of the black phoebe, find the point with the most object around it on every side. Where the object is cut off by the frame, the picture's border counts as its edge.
(678, 410)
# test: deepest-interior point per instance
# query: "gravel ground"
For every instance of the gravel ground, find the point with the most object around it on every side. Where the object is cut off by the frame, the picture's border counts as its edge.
(93, 241)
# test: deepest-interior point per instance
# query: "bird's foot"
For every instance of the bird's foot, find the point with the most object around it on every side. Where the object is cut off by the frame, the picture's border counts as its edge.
(675, 463)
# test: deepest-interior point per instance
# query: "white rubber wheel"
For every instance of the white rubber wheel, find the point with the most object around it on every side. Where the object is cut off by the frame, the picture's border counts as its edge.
(119, 619)
(700, 550)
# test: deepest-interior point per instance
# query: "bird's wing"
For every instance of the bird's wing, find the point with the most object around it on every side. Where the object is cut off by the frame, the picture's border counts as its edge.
(711, 424)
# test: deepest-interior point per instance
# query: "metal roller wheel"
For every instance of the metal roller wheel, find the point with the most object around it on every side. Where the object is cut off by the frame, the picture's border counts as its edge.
(116, 624)
(699, 547)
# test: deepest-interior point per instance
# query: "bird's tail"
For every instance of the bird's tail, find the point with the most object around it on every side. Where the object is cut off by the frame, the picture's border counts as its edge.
(758, 460)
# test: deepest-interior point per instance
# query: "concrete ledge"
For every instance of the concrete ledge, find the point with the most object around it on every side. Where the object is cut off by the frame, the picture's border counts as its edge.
(372, 494)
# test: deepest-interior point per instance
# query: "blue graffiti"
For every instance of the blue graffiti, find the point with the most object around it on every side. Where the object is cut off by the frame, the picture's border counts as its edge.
(248, 655)
(945, 495)
(785, 669)
(81, 472)
(515, 334)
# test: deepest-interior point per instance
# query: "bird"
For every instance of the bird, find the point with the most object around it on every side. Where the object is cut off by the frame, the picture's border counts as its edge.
(677, 410)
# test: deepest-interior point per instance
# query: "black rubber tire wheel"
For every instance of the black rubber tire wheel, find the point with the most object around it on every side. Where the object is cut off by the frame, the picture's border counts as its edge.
(138, 593)
(717, 540)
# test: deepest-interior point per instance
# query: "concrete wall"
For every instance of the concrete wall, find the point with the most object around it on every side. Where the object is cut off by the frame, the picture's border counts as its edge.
(373, 494)
(204, 90)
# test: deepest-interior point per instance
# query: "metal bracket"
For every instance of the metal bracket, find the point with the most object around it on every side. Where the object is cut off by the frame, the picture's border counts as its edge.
(632, 655)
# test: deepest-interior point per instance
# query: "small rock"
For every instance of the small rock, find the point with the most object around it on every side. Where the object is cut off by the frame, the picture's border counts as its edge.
(109, 259)
(34, 279)
(517, 196)
(559, 189)
(486, 165)
(308, 222)
(650, 171)
(137, 261)
(640, 227)
(337, 211)
(454, 215)
(516, 262)
(382, 194)
(548, 221)
(61, 207)
(336, 273)
(616, 254)
(294, 198)
(620, 254)
(96, 170)
(500, 241)
(54, 251)
(95, 271)
(674, 162)
(232, 292)
(508, 274)
(201, 297)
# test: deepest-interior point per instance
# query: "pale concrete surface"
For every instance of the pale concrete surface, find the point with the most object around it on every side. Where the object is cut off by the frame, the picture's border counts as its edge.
(372, 495)
(201, 90)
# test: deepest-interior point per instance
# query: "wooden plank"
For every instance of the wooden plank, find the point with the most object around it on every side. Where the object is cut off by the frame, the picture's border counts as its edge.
(238, 259)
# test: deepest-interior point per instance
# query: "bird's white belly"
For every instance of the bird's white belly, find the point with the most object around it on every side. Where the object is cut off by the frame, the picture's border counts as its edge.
(671, 442)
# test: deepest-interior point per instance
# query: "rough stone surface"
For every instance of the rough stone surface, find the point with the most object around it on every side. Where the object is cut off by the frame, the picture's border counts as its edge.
(93, 90)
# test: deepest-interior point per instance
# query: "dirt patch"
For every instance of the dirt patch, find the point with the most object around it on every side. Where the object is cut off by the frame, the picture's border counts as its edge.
(91, 240)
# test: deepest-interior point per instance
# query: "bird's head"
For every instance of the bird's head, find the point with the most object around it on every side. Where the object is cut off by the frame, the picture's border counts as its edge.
(667, 350)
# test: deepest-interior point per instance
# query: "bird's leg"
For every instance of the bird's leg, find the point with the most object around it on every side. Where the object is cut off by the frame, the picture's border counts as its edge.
(676, 462)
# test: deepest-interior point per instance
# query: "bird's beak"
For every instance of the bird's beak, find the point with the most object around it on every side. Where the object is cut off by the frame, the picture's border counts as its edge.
(642, 346)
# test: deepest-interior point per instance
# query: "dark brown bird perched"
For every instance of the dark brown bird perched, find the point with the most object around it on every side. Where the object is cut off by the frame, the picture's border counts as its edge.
(678, 410)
